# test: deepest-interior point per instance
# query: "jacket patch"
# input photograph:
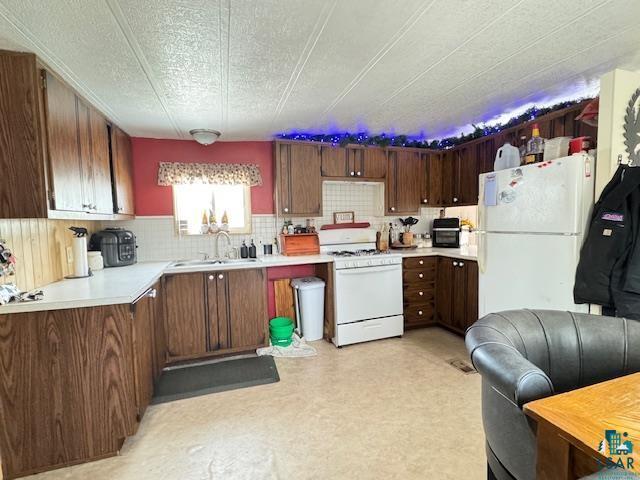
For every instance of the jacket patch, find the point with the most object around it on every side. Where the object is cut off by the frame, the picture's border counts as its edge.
(613, 216)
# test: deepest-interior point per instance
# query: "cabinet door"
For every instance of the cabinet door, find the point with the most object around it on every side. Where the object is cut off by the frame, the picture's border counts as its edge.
(449, 159)
(471, 270)
(467, 176)
(465, 295)
(434, 179)
(486, 154)
(334, 162)
(68, 389)
(444, 290)
(101, 166)
(355, 166)
(424, 180)
(62, 135)
(403, 182)
(159, 334)
(143, 345)
(122, 171)
(217, 311)
(185, 314)
(248, 308)
(84, 152)
(300, 181)
(373, 163)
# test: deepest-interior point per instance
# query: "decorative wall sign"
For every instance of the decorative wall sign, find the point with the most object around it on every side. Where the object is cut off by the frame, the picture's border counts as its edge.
(632, 130)
(343, 217)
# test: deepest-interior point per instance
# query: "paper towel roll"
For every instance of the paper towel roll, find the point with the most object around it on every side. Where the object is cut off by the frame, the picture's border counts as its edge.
(80, 260)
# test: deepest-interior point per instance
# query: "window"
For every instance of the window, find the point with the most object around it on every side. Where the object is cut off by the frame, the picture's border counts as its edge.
(193, 200)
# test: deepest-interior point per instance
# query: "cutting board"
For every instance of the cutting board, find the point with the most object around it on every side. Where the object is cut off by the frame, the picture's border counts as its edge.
(285, 303)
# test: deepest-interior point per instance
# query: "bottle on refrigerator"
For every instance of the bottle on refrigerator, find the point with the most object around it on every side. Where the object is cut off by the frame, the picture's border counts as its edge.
(535, 146)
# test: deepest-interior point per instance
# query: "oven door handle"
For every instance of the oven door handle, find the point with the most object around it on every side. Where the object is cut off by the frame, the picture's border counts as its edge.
(366, 270)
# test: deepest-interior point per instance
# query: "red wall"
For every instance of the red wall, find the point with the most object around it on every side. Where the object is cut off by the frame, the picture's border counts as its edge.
(152, 199)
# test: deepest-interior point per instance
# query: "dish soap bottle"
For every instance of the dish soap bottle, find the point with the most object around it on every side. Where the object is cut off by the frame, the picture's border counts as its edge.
(244, 251)
(252, 250)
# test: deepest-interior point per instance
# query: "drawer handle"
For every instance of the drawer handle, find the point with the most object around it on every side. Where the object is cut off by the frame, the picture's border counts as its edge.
(420, 275)
(374, 325)
(421, 262)
(421, 293)
(419, 312)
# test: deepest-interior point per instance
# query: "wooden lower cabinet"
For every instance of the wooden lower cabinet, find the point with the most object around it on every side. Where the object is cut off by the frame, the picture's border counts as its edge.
(419, 285)
(223, 311)
(457, 293)
(67, 387)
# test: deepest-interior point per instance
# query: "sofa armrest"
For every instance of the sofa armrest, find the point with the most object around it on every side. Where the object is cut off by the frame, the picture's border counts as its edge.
(506, 370)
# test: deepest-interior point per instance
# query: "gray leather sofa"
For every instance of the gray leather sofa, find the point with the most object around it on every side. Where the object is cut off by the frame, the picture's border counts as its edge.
(524, 355)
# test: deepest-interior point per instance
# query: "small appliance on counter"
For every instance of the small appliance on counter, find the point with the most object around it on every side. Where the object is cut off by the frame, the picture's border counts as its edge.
(446, 232)
(117, 245)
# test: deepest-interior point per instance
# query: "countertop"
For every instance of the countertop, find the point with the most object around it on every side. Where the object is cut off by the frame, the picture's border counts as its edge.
(113, 286)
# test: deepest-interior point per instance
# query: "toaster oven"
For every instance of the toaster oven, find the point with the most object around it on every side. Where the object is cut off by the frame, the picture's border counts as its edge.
(446, 232)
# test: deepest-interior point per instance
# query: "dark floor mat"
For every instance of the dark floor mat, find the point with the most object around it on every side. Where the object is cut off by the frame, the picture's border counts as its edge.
(196, 380)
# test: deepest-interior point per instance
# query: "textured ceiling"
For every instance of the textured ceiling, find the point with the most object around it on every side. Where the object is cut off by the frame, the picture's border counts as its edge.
(255, 68)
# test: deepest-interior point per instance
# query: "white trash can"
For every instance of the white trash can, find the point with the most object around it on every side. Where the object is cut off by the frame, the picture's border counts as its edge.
(309, 306)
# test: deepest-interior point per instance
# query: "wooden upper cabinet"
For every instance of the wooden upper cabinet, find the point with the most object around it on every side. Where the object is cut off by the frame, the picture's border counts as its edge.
(334, 161)
(448, 159)
(101, 163)
(299, 180)
(54, 148)
(433, 182)
(466, 176)
(122, 163)
(353, 161)
(373, 163)
(21, 143)
(403, 187)
(65, 167)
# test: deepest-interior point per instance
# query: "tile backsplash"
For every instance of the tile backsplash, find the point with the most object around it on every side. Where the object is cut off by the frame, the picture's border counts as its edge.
(158, 239)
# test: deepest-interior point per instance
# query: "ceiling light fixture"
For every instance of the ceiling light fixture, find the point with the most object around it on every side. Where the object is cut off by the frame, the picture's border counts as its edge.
(204, 136)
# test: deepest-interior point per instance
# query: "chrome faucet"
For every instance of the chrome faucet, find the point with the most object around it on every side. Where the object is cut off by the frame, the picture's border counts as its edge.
(226, 235)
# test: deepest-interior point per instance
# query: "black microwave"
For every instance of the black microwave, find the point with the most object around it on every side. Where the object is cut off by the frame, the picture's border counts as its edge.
(446, 232)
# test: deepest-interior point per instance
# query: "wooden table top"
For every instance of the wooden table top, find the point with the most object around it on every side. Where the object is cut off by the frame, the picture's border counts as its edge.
(582, 416)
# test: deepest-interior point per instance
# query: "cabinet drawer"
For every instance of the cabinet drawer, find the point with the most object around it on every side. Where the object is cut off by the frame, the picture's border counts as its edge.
(415, 315)
(418, 277)
(419, 294)
(422, 263)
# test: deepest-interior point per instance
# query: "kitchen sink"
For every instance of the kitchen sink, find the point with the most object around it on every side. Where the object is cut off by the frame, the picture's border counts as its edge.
(204, 263)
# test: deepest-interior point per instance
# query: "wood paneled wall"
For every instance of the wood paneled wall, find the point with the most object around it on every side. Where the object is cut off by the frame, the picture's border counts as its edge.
(39, 246)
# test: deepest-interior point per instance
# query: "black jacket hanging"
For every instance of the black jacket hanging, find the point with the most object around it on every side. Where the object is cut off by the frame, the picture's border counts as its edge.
(608, 272)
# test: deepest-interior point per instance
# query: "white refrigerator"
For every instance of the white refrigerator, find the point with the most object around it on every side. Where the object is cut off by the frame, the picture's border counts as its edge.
(531, 222)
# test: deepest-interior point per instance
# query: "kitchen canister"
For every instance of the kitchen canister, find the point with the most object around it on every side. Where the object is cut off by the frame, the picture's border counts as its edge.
(96, 262)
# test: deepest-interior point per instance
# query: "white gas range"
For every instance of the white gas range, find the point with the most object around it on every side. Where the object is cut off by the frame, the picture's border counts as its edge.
(368, 286)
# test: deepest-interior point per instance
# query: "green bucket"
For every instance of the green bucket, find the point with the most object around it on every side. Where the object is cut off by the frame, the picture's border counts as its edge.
(281, 330)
